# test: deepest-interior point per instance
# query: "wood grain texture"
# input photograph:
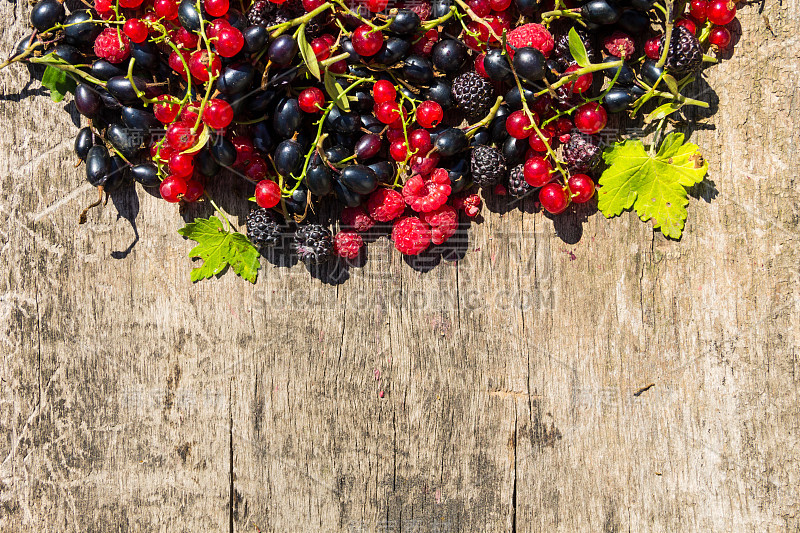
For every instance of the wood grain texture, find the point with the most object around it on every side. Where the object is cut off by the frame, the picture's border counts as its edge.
(494, 393)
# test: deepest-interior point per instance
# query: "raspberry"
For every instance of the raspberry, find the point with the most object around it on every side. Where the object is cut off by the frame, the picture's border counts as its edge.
(470, 204)
(443, 223)
(357, 218)
(411, 235)
(385, 205)
(427, 195)
(534, 35)
(112, 46)
(347, 244)
(422, 9)
(619, 44)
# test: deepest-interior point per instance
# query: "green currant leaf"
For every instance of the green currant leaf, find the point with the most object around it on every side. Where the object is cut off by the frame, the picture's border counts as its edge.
(219, 248)
(672, 84)
(202, 140)
(309, 57)
(663, 111)
(59, 83)
(577, 49)
(335, 91)
(654, 185)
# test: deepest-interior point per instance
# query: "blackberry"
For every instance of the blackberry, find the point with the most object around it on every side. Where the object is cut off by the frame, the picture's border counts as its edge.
(473, 94)
(685, 54)
(264, 228)
(314, 244)
(561, 49)
(488, 165)
(517, 186)
(259, 12)
(582, 152)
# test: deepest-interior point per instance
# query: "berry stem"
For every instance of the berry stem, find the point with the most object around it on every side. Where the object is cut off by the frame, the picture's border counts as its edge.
(471, 14)
(436, 22)
(471, 130)
(594, 67)
(278, 29)
(667, 33)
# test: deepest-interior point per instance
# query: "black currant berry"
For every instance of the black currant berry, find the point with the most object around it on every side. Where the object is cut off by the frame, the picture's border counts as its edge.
(393, 50)
(258, 103)
(146, 174)
(139, 120)
(626, 75)
(359, 179)
(514, 100)
(385, 171)
(282, 51)
(118, 176)
(514, 151)
(98, 164)
(255, 39)
(235, 78)
(496, 65)
(481, 136)
(460, 175)
(83, 142)
(346, 196)
(405, 22)
(224, 152)
(497, 127)
(529, 64)
(600, 12)
(146, 55)
(650, 72)
(78, 28)
(451, 141)
(287, 118)
(204, 163)
(617, 100)
(69, 53)
(105, 70)
(418, 70)
(263, 137)
(87, 101)
(527, 7)
(341, 121)
(449, 55)
(319, 180)
(46, 14)
(371, 123)
(367, 147)
(440, 8)
(188, 15)
(288, 157)
(441, 92)
(127, 142)
(634, 22)
(121, 88)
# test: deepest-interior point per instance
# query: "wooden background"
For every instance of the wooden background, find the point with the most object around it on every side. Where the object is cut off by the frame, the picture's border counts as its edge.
(496, 393)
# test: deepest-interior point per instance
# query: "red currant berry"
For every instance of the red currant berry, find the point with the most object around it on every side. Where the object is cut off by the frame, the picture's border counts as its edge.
(176, 60)
(687, 23)
(268, 194)
(194, 190)
(398, 150)
(395, 134)
(244, 150)
(187, 39)
(429, 114)
(590, 118)
(180, 136)
(229, 41)
(340, 67)
(721, 12)
(387, 112)
(215, 27)
(166, 9)
(582, 188)
(203, 66)
(130, 4)
(563, 125)
(256, 169)
(477, 36)
(172, 189)
(537, 171)
(181, 165)
(697, 9)
(136, 30)
(376, 6)
(500, 5)
(311, 5)
(536, 143)
(367, 41)
(311, 100)
(719, 37)
(519, 125)
(582, 84)
(218, 114)
(420, 141)
(553, 198)
(652, 48)
(480, 68)
(384, 91)
(102, 6)
(216, 8)
(321, 48)
(482, 8)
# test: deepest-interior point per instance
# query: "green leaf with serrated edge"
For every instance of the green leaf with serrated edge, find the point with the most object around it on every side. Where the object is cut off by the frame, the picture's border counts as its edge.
(219, 249)
(58, 82)
(577, 49)
(655, 186)
(335, 91)
(309, 57)
(663, 111)
(202, 140)
(672, 84)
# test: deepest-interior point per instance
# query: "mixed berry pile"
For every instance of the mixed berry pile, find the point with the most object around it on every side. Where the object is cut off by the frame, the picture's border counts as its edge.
(393, 115)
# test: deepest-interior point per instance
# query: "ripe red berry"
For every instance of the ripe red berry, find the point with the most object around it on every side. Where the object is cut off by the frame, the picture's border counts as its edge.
(480, 68)
(244, 150)
(387, 112)
(186, 39)
(537, 171)
(411, 235)
(553, 198)
(181, 165)
(340, 67)
(482, 8)
(112, 45)
(519, 125)
(136, 30)
(398, 150)
(582, 188)
(590, 118)
(582, 84)
(167, 9)
(172, 189)
(311, 100)
(203, 66)
(102, 6)
(311, 5)
(429, 114)
(194, 190)
(687, 23)
(384, 91)
(719, 37)
(721, 12)
(376, 6)
(652, 48)
(180, 136)
(216, 25)
(230, 41)
(268, 194)
(420, 141)
(130, 4)
(216, 8)
(347, 244)
(500, 5)
(367, 41)
(321, 48)
(218, 114)
(166, 111)
(697, 9)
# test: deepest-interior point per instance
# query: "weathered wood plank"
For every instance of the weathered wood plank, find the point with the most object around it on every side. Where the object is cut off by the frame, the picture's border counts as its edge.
(496, 393)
